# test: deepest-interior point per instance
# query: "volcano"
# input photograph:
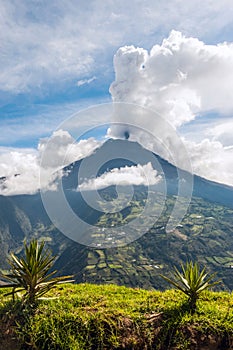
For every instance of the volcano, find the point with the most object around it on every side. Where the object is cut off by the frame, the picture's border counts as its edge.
(122, 153)
(204, 234)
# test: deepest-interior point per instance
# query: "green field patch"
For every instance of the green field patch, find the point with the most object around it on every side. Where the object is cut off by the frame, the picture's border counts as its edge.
(90, 267)
(102, 265)
(196, 229)
(223, 260)
(115, 266)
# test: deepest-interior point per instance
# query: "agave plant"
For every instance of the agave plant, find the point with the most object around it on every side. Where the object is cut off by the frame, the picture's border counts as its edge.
(192, 281)
(32, 274)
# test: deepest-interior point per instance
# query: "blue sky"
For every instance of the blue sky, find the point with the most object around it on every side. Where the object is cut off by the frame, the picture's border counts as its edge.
(56, 58)
(47, 47)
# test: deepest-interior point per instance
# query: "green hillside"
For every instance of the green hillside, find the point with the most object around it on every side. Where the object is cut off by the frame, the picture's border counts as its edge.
(204, 235)
(98, 317)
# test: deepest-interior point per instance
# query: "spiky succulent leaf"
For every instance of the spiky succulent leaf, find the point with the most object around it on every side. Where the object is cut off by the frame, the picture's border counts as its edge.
(191, 281)
(31, 274)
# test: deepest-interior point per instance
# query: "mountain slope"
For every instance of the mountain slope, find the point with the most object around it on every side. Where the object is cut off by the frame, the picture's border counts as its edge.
(205, 234)
(14, 226)
(122, 153)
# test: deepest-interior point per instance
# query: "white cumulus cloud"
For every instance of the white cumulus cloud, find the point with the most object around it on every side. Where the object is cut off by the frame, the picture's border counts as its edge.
(222, 131)
(210, 159)
(26, 171)
(180, 79)
(128, 175)
(85, 81)
(61, 149)
(60, 42)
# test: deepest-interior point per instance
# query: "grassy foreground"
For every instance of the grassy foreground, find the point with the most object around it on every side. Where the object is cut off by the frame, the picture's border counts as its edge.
(96, 317)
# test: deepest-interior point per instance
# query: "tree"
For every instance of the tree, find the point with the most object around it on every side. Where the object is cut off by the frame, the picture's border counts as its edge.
(32, 274)
(191, 281)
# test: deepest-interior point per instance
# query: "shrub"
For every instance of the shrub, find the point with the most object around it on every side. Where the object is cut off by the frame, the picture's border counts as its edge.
(192, 281)
(32, 274)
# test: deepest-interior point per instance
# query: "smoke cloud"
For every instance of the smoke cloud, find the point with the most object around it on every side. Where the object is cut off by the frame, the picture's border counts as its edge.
(179, 80)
